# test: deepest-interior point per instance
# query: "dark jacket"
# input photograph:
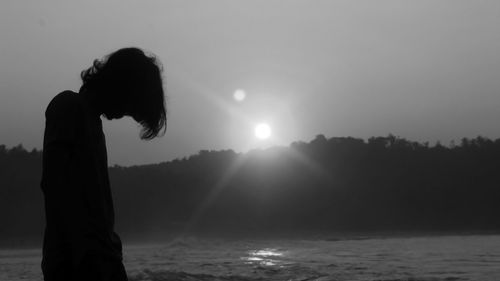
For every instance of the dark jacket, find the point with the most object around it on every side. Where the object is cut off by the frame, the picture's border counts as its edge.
(75, 184)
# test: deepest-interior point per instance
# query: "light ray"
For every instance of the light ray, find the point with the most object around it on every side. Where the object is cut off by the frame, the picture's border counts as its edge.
(219, 186)
(222, 183)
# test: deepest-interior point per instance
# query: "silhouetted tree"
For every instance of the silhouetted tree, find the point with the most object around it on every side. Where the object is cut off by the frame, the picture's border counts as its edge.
(329, 184)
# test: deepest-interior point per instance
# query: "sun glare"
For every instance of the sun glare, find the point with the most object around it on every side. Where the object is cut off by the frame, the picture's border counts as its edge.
(262, 131)
(239, 95)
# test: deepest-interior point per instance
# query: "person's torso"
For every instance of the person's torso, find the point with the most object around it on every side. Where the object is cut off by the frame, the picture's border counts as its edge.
(88, 176)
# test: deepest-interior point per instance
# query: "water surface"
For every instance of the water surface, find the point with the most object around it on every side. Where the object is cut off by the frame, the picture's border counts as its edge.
(418, 258)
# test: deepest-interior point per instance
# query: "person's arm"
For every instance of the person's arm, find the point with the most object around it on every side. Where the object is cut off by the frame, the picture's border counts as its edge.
(63, 199)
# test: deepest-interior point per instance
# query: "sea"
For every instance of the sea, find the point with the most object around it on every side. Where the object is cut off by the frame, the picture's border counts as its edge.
(423, 258)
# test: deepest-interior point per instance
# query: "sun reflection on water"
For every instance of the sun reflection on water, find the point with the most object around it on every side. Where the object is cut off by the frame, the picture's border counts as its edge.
(264, 257)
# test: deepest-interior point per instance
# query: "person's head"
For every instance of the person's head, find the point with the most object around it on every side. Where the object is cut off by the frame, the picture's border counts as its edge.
(129, 82)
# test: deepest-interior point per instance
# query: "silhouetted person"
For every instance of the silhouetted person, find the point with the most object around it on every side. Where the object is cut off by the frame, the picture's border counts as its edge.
(80, 242)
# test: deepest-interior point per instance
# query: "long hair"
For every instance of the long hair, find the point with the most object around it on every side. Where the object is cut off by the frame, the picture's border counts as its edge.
(130, 82)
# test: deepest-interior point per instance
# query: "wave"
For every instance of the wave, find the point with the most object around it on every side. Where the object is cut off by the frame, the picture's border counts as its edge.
(168, 275)
(294, 273)
(164, 275)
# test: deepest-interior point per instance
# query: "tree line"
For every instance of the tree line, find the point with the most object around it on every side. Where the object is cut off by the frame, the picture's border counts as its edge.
(339, 184)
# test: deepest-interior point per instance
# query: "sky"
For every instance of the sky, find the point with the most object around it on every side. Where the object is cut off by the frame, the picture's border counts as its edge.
(422, 70)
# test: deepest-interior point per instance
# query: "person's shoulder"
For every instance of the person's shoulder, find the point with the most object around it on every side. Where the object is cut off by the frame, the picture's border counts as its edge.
(62, 104)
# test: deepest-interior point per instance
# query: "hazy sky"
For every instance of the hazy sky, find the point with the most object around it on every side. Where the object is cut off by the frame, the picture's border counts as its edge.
(423, 70)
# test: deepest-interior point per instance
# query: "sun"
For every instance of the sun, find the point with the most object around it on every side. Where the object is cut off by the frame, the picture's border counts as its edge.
(262, 131)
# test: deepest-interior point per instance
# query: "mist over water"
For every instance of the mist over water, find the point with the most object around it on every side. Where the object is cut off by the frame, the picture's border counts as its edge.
(437, 258)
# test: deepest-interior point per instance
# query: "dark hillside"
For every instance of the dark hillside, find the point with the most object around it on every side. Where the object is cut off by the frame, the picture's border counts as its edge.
(336, 184)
